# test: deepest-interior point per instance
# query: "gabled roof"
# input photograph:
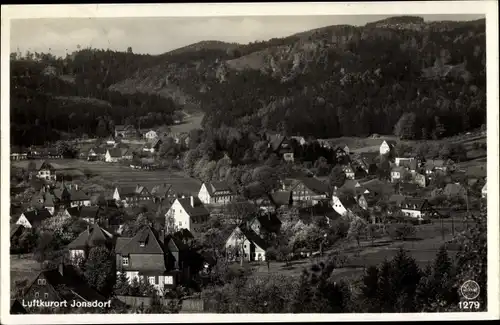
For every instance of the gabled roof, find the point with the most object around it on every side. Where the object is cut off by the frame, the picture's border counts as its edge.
(253, 237)
(347, 201)
(15, 229)
(391, 143)
(69, 285)
(275, 141)
(91, 237)
(37, 215)
(214, 188)
(99, 151)
(413, 203)
(314, 185)
(146, 235)
(194, 211)
(269, 221)
(89, 212)
(161, 190)
(78, 195)
(350, 184)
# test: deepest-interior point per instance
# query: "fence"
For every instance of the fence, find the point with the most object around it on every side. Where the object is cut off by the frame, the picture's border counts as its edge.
(189, 305)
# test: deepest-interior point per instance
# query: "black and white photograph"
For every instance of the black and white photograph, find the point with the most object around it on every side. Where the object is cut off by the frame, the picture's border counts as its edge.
(333, 163)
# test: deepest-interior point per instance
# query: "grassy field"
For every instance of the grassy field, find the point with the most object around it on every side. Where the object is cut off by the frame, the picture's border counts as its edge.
(22, 268)
(424, 248)
(190, 122)
(123, 175)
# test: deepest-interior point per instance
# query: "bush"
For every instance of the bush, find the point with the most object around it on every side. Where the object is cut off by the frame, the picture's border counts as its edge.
(401, 231)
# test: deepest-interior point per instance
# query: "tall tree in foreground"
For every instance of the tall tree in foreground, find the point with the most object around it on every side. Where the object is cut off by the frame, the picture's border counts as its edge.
(99, 270)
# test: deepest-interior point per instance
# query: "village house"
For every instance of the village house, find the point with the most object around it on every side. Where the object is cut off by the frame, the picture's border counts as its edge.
(404, 161)
(44, 199)
(348, 171)
(433, 166)
(245, 241)
(125, 131)
(407, 189)
(387, 147)
(186, 213)
(44, 170)
(152, 146)
(58, 284)
(419, 179)
(110, 141)
(96, 154)
(417, 208)
(163, 193)
(340, 155)
(281, 146)
(150, 135)
(117, 154)
(216, 193)
(300, 140)
(397, 174)
(33, 218)
(264, 222)
(132, 195)
(367, 201)
(93, 236)
(17, 153)
(324, 143)
(344, 148)
(484, 191)
(342, 204)
(146, 256)
(89, 214)
(306, 190)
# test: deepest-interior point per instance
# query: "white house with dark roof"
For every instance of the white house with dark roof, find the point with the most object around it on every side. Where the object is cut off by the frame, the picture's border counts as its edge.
(152, 146)
(386, 147)
(132, 195)
(33, 218)
(245, 241)
(419, 209)
(348, 171)
(45, 171)
(216, 193)
(186, 213)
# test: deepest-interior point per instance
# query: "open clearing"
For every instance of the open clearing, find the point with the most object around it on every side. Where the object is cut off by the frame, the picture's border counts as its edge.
(190, 122)
(124, 175)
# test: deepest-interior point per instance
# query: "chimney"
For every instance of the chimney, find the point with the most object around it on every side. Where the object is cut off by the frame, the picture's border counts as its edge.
(192, 201)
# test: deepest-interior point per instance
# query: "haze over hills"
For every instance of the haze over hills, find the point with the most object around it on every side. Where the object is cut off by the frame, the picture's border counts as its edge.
(327, 82)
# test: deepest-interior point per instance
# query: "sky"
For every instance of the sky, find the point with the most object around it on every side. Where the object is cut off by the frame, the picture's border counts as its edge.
(160, 35)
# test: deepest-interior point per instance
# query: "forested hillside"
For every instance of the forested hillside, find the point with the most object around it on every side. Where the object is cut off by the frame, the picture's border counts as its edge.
(400, 75)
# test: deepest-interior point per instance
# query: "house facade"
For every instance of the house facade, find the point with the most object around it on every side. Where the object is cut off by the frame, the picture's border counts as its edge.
(152, 146)
(386, 147)
(113, 155)
(45, 171)
(96, 154)
(33, 218)
(125, 131)
(397, 174)
(306, 190)
(151, 135)
(132, 195)
(218, 193)
(186, 213)
(349, 172)
(146, 257)
(399, 161)
(419, 209)
(419, 179)
(247, 242)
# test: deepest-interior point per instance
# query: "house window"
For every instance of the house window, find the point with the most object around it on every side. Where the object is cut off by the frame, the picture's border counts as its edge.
(125, 261)
(41, 282)
(45, 295)
(37, 294)
(152, 280)
(169, 279)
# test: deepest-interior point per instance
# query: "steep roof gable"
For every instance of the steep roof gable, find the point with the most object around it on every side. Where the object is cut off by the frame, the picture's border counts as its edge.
(144, 242)
(91, 237)
(193, 211)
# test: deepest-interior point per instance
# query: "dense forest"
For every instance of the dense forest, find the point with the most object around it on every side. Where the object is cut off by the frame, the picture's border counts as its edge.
(400, 76)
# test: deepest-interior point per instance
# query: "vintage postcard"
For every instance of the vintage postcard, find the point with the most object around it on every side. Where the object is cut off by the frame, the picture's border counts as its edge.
(283, 162)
